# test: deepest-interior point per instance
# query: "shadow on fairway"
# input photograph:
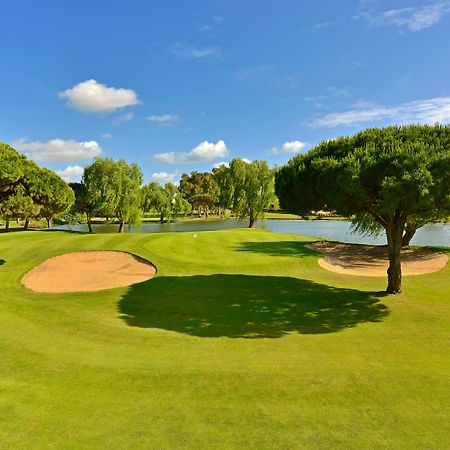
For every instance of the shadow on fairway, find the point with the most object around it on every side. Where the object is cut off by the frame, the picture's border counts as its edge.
(2, 261)
(244, 306)
(55, 230)
(278, 248)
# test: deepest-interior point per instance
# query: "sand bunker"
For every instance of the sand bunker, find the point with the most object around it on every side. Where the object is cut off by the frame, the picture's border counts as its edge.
(372, 261)
(88, 271)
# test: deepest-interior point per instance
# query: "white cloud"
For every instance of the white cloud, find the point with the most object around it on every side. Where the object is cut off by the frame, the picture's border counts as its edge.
(164, 177)
(106, 136)
(412, 18)
(246, 160)
(71, 173)
(288, 147)
(220, 164)
(123, 118)
(435, 110)
(163, 119)
(92, 96)
(189, 52)
(204, 152)
(59, 150)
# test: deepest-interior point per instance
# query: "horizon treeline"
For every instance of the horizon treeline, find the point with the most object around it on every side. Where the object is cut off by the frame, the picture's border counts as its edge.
(114, 190)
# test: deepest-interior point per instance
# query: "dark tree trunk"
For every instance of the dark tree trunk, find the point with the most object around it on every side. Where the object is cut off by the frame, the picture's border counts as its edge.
(7, 224)
(49, 222)
(252, 220)
(122, 227)
(26, 224)
(410, 231)
(89, 224)
(161, 217)
(394, 237)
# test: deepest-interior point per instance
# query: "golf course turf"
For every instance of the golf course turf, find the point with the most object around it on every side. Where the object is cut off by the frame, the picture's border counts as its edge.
(240, 341)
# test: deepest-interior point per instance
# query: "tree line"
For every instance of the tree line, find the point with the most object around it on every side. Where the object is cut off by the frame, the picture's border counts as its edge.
(28, 191)
(114, 190)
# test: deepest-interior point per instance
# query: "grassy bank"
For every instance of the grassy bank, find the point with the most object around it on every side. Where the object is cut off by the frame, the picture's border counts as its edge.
(241, 341)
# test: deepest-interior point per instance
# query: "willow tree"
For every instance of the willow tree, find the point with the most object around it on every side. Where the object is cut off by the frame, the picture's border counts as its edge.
(165, 200)
(396, 175)
(247, 188)
(113, 189)
(128, 181)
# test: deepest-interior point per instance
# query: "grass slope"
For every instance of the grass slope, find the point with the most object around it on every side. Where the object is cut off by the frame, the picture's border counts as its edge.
(241, 341)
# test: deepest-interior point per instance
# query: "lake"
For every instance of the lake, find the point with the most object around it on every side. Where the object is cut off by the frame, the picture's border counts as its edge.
(432, 234)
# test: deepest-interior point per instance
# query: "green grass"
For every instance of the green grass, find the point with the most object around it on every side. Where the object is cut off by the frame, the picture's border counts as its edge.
(241, 341)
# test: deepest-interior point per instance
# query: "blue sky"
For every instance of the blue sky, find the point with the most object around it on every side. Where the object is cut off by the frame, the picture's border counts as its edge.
(177, 86)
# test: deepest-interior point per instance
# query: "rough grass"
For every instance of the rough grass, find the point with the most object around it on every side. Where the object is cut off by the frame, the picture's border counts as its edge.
(241, 341)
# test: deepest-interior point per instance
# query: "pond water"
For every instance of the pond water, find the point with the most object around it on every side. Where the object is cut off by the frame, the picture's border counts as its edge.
(432, 234)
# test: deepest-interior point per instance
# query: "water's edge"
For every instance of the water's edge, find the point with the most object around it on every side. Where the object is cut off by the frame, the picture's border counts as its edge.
(437, 234)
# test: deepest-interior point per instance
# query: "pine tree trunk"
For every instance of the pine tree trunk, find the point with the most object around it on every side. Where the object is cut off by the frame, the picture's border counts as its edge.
(410, 231)
(394, 238)
(122, 227)
(26, 224)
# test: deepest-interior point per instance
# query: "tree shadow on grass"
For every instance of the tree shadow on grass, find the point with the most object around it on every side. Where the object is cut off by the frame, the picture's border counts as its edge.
(2, 261)
(278, 248)
(244, 306)
(57, 230)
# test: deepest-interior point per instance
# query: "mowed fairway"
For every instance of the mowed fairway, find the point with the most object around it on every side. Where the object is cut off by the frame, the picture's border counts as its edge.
(240, 341)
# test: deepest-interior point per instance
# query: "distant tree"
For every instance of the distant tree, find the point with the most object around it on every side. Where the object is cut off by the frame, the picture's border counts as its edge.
(246, 188)
(200, 189)
(226, 187)
(82, 204)
(12, 166)
(101, 193)
(28, 191)
(166, 201)
(113, 189)
(399, 176)
(129, 183)
(53, 194)
(18, 206)
(256, 193)
(230, 179)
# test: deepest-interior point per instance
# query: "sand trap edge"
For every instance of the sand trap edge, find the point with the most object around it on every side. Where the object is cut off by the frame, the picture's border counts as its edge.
(330, 262)
(143, 262)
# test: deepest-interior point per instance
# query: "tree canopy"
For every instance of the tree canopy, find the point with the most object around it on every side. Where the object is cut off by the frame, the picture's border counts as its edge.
(200, 189)
(27, 191)
(113, 189)
(397, 175)
(165, 200)
(247, 188)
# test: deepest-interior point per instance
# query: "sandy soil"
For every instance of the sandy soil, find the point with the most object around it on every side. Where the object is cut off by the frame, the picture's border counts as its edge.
(372, 261)
(88, 271)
